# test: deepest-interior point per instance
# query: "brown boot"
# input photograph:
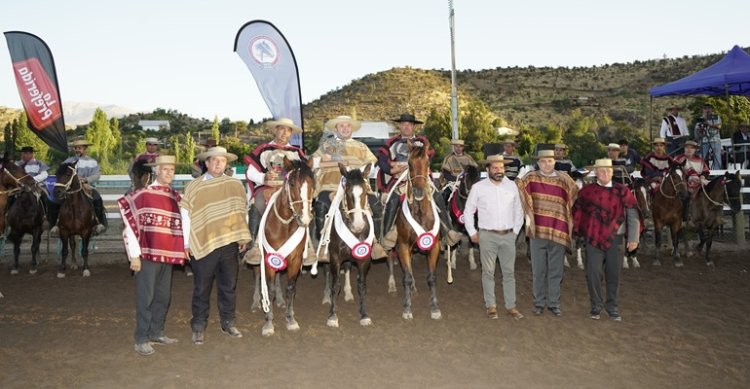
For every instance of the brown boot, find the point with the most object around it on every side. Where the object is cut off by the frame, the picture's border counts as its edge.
(378, 252)
(252, 257)
(389, 240)
(453, 238)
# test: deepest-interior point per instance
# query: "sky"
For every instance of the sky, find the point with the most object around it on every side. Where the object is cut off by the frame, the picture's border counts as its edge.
(179, 54)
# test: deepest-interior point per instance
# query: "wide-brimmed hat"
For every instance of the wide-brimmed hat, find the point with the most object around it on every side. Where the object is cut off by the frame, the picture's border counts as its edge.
(494, 159)
(659, 140)
(613, 146)
(691, 143)
(164, 160)
(285, 122)
(671, 107)
(561, 146)
(510, 142)
(27, 149)
(459, 142)
(407, 117)
(545, 154)
(80, 142)
(331, 124)
(210, 142)
(603, 162)
(152, 141)
(217, 151)
(744, 125)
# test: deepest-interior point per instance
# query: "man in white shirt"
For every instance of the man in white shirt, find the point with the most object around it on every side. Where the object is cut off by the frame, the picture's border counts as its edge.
(499, 203)
(674, 129)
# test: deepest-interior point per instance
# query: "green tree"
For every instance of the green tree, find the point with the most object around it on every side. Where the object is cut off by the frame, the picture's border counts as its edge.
(215, 129)
(99, 135)
(189, 148)
(26, 137)
(114, 125)
(177, 152)
(477, 124)
(437, 129)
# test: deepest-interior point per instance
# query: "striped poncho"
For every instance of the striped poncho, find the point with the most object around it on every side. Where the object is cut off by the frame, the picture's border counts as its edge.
(218, 214)
(547, 201)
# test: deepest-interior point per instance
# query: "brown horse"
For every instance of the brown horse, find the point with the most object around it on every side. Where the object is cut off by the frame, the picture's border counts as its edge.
(666, 208)
(423, 212)
(707, 209)
(26, 213)
(76, 217)
(288, 213)
(353, 220)
(456, 204)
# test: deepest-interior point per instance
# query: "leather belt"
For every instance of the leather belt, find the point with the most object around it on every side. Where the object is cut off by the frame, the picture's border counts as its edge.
(499, 232)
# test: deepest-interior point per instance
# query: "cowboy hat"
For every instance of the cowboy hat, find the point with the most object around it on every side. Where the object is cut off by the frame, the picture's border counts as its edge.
(27, 149)
(545, 154)
(495, 158)
(457, 142)
(613, 146)
(659, 140)
(407, 117)
(152, 141)
(284, 122)
(510, 142)
(164, 160)
(603, 162)
(561, 146)
(80, 142)
(691, 143)
(217, 151)
(331, 124)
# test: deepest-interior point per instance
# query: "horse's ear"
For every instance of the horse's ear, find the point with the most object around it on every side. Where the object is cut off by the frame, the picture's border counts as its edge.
(366, 171)
(288, 166)
(342, 169)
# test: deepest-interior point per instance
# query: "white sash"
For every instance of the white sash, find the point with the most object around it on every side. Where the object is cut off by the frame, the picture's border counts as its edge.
(421, 233)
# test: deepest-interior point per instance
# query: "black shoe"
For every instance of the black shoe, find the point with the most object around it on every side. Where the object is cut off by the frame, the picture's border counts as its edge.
(198, 337)
(614, 315)
(232, 331)
(555, 311)
(537, 310)
(594, 314)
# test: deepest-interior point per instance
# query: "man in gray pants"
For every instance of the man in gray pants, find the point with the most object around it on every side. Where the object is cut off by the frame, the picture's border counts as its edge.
(496, 199)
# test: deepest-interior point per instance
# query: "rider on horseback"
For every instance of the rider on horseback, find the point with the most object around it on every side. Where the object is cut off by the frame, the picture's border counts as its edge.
(454, 164)
(392, 161)
(37, 170)
(656, 164)
(340, 147)
(696, 171)
(620, 173)
(265, 173)
(88, 172)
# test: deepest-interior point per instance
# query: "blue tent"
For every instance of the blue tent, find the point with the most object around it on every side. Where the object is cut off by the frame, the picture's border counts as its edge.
(729, 76)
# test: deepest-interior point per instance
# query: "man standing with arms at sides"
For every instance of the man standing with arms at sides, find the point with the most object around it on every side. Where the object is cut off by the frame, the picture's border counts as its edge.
(602, 214)
(547, 197)
(214, 215)
(152, 230)
(497, 203)
(673, 130)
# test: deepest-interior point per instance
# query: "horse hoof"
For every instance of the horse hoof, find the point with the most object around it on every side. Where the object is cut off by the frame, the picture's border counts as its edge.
(87, 273)
(656, 263)
(678, 263)
(326, 300)
(60, 275)
(625, 264)
(365, 322)
(580, 266)
(333, 323)
(636, 264)
(293, 326)
(255, 306)
(32, 271)
(348, 297)
(566, 263)
(710, 263)
(407, 316)
(436, 315)
(267, 330)
(13, 272)
(391, 288)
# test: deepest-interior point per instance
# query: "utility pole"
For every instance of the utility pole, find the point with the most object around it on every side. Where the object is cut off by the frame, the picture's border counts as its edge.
(454, 95)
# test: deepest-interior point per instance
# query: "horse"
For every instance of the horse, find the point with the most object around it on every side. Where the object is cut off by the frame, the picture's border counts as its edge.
(456, 203)
(76, 218)
(640, 191)
(283, 237)
(707, 209)
(418, 227)
(26, 214)
(350, 230)
(667, 210)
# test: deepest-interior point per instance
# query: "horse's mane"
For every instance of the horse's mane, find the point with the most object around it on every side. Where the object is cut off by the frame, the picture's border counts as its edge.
(472, 173)
(712, 184)
(354, 177)
(138, 172)
(303, 168)
(417, 151)
(63, 167)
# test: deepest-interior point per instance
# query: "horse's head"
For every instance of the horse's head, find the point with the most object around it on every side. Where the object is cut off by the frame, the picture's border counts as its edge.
(676, 181)
(732, 190)
(140, 174)
(419, 171)
(356, 187)
(471, 177)
(640, 190)
(13, 176)
(67, 180)
(300, 185)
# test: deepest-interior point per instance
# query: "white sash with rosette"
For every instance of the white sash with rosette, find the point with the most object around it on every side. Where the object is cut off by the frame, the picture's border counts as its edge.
(360, 249)
(425, 239)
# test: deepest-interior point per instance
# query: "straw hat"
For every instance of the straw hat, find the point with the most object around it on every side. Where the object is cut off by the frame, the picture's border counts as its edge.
(613, 146)
(494, 159)
(691, 143)
(659, 140)
(545, 154)
(285, 122)
(561, 146)
(80, 142)
(510, 142)
(604, 162)
(331, 124)
(457, 142)
(217, 151)
(164, 160)
(152, 141)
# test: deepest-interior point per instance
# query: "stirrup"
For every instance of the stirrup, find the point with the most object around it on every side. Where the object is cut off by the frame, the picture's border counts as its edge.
(54, 232)
(389, 240)
(378, 252)
(100, 229)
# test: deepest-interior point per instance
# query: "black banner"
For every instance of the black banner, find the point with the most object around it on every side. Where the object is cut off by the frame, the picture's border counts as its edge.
(34, 70)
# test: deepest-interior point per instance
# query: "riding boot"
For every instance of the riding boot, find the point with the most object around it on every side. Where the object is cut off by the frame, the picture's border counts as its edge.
(686, 209)
(452, 237)
(322, 206)
(388, 232)
(53, 209)
(101, 217)
(378, 252)
(253, 255)
(45, 206)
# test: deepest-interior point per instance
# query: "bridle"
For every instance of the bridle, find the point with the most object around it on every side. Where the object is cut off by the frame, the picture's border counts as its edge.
(68, 184)
(674, 186)
(295, 215)
(410, 180)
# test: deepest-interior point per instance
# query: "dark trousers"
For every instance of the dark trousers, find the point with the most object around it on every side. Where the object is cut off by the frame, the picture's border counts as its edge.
(611, 262)
(153, 286)
(222, 265)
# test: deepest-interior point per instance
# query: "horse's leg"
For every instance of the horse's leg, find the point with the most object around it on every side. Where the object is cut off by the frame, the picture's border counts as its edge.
(327, 288)
(579, 257)
(391, 279)
(73, 253)
(348, 296)
(657, 244)
(404, 257)
(291, 290)
(63, 256)
(363, 267)
(35, 243)
(85, 254)
(16, 250)
(270, 281)
(432, 260)
(676, 234)
(449, 256)
(335, 288)
(709, 241)
(472, 258)
(280, 292)
(256, 293)
(702, 239)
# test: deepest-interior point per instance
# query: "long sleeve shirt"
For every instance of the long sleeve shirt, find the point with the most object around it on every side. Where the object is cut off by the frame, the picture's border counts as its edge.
(35, 168)
(499, 205)
(86, 167)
